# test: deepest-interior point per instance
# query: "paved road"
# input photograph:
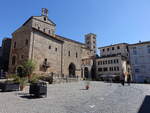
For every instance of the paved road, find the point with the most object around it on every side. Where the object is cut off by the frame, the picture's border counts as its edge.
(72, 98)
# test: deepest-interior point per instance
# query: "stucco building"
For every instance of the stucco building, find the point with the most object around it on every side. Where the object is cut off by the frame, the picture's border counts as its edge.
(140, 61)
(36, 40)
(114, 60)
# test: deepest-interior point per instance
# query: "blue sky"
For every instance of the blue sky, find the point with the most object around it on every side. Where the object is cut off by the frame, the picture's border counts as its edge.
(113, 21)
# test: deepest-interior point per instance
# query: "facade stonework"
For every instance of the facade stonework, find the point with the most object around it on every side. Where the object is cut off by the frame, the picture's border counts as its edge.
(36, 40)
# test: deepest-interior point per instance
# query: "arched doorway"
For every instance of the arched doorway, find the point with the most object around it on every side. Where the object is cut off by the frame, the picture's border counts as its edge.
(93, 73)
(86, 72)
(20, 71)
(72, 70)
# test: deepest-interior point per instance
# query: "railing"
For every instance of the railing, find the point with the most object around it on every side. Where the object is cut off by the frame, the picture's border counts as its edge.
(57, 78)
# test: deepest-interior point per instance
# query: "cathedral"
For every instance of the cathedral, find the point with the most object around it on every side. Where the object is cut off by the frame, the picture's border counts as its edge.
(36, 40)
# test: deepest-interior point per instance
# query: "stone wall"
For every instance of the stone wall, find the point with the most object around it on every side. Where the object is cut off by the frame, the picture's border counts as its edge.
(44, 47)
(21, 39)
(74, 57)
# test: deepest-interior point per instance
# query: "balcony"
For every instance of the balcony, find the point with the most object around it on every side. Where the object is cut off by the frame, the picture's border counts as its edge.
(46, 64)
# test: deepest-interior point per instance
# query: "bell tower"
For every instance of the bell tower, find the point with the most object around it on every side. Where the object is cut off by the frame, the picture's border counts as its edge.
(44, 12)
(90, 41)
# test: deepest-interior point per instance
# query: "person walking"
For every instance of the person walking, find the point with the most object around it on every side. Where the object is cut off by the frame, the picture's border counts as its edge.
(129, 79)
(122, 79)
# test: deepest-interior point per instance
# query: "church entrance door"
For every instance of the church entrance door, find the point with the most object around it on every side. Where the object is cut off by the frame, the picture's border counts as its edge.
(86, 72)
(72, 69)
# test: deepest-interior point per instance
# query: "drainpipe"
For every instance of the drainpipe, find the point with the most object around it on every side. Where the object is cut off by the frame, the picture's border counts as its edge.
(32, 46)
(61, 59)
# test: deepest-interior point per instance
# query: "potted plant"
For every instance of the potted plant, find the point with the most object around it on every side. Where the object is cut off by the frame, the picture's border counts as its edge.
(9, 85)
(37, 88)
(23, 81)
(87, 83)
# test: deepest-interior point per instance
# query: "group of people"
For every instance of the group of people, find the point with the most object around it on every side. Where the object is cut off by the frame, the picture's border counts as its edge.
(123, 79)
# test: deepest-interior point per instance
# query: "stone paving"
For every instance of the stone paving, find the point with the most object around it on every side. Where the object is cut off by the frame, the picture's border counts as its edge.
(72, 98)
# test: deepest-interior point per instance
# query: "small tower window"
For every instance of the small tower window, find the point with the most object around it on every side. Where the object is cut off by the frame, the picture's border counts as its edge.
(44, 18)
(45, 60)
(15, 45)
(68, 53)
(38, 28)
(22, 56)
(76, 55)
(44, 29)
(55, 49)
(26, 43)
(118, 47)
(107, 49)
(117, 68)
(49, 32)
(112, 48)
(13, 60)
(49, 47)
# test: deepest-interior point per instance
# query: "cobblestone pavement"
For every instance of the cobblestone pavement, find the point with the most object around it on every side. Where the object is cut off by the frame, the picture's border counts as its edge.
(72, 98)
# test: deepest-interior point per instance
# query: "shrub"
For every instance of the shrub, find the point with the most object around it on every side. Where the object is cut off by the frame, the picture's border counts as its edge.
(48, 79)
(28, 67)
(34, 78)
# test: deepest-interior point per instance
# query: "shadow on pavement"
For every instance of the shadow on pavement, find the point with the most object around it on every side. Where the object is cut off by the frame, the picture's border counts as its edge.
(145, 107)
(30, 97)
(83, 89)
(27, 96)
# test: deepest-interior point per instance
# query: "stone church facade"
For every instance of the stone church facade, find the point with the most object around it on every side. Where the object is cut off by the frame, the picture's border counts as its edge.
(36, 40)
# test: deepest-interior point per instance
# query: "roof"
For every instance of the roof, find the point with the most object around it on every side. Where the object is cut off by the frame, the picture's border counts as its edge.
(48, 35)
(37, 19)
(111, 56)
(113, 45)
(86, 48)
(57, 37)
(6, 38)
(67, 39)
(140, 43)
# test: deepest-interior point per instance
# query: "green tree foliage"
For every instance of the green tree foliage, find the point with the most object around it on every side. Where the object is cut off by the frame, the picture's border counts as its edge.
(26, 69)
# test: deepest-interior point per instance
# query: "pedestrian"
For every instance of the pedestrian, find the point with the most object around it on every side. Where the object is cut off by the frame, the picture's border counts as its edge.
(129, 79)
(110, 81)
(122, 79)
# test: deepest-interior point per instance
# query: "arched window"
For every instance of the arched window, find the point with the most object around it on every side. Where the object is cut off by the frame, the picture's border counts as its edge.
(76, 55)
(13, 60)
(26, 43)
(44, 18)
(68, 53)
(44, 29)
(14, 44)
